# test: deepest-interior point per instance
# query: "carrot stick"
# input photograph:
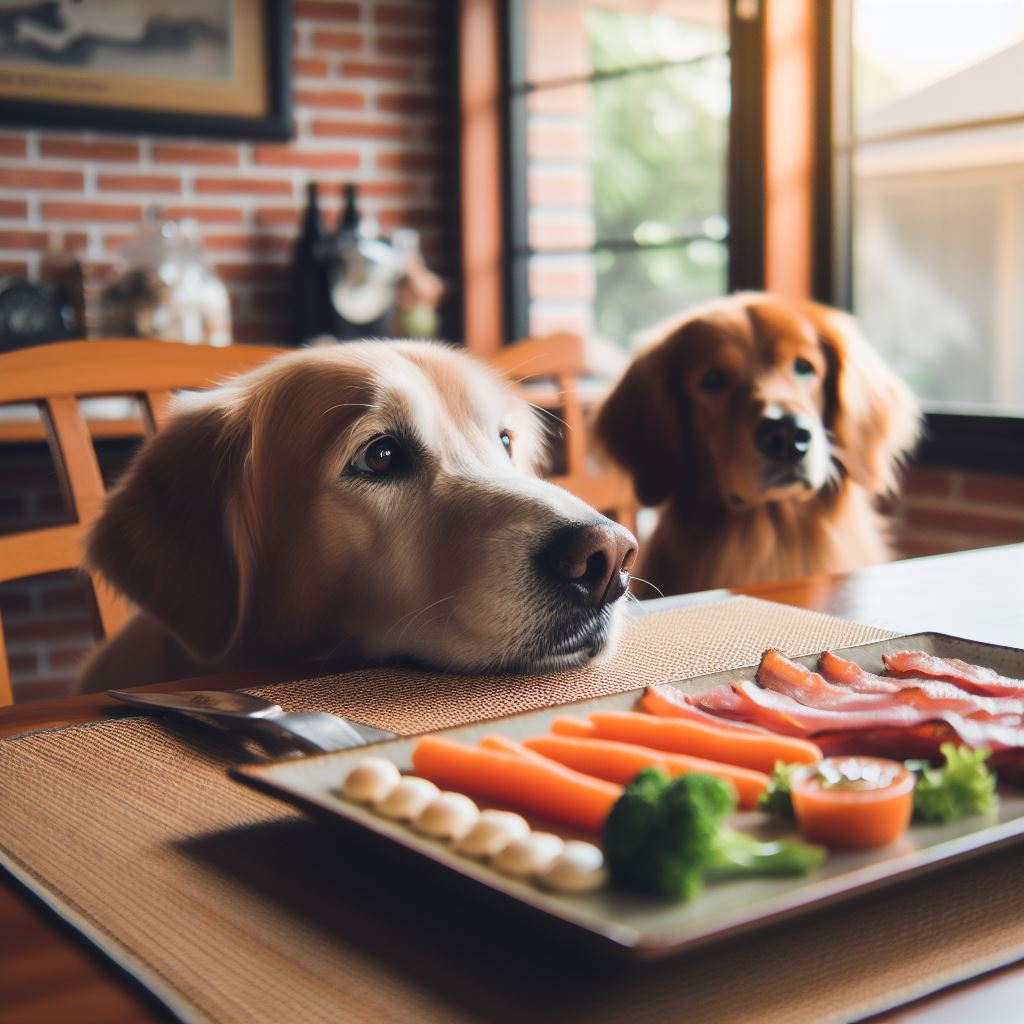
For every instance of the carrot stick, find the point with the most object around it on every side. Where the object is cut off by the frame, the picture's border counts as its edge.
(510, 746)
(678, 735)
(619, 762)
(670, 703)
(572, 727)
(550, 790)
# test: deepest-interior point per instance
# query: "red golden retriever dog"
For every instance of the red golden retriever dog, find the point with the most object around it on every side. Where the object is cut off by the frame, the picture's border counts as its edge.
(768, 429)
(376, 500)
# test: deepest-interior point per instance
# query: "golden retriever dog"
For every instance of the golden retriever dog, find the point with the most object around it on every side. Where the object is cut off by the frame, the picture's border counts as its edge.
(768, 429)
(374, 500)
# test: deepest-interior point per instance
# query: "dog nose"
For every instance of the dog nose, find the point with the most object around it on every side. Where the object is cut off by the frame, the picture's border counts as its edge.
(783, 437)
(593, 561)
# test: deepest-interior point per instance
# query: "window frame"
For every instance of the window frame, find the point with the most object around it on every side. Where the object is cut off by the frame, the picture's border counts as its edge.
(952, 440)
(745, 184)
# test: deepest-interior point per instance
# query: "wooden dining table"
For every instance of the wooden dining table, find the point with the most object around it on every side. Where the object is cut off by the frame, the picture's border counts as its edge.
(48, 973)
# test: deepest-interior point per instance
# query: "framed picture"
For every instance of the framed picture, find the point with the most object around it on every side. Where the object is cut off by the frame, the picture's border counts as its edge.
(181, 67)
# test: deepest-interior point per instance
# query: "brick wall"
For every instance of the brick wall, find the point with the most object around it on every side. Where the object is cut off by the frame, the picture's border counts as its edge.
(368, 108)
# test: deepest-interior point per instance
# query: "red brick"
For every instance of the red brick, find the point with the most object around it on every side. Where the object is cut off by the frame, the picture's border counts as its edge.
(92, 211)
(207, 214)
(567, 188)
(407, 161)
(23, 239)
(13, 208)
(243, 186)
(403, 189)
(35, 178)
(13, 268)
(75, 240)
(70, 657)
(277, 156)
(561, 234)
(928, 483)
(311, 67)
(406, 46)
(359, 129)
(32, 630)
(139, 183)
(392, 70)
(23, 664)
(408, 103)
(400, 14)
(260, 273)
(329, 11)
(12, 145)
(557, 282)
(270, 302)
(410, 218)
(340, 99)
(223, 156)
(14, 602)
(351, 42)
(70, 597)
(558, 142)
(257, 331)
(963, 521)
(260, 243)
(996, 490)
(79, 149)
(277, 215)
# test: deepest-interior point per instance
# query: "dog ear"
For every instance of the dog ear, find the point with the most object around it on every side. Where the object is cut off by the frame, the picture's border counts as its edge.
(873, 416)
(638, 425)
(166, 537)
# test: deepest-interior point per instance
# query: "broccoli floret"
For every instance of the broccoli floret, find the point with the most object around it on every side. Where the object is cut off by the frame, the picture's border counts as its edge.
(777, 800)
(962, 786)
(664, 834)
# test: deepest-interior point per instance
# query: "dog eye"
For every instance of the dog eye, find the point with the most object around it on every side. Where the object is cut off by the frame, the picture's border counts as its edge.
(383, 456)
(803, 367)
(506, 440)
(713, 381)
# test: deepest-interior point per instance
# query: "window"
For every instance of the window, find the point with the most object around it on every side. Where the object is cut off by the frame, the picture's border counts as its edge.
(619, 129)
(929, 154)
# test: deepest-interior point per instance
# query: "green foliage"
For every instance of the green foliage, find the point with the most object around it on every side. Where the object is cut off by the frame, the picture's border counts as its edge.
(660, 142)
(964, 785)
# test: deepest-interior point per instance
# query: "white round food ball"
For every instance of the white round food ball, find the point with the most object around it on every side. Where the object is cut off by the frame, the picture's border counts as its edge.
(407, 799)
(529, 856)
(493, 831)
(370, 780)
(579, 867)
(448, 816)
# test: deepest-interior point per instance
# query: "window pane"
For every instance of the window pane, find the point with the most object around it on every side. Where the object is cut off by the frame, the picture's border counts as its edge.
(631, 160)
(920, 62)
(619, 294)
(575, 38)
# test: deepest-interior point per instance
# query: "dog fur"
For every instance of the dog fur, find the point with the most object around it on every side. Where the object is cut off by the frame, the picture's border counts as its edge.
(248, 532)
(683, 421)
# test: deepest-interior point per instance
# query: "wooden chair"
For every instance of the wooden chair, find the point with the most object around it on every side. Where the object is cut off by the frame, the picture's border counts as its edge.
(54, 377)
(577, 375)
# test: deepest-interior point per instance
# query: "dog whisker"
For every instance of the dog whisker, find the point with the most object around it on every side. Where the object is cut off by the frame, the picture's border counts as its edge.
(640, 579)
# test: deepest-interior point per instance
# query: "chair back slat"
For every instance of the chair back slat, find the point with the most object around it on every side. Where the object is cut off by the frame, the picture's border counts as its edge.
(6, 692)
(74, 457)
(156, 409)
(564, 359)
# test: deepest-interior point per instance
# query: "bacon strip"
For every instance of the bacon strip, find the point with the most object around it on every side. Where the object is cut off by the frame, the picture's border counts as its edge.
(973, 678)
(924, 693)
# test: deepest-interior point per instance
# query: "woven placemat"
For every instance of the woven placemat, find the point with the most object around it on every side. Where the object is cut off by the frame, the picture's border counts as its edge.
(231, 907)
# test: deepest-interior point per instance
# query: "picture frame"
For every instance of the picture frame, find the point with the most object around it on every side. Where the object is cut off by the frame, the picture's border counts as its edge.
(215, 68)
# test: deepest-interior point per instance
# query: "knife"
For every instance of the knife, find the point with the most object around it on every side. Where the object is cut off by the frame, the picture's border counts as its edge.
(311, 731)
